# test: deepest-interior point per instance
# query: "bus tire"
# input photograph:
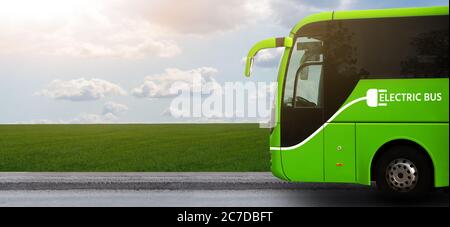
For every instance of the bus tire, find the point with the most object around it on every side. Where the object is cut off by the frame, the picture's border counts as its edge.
(404, 170)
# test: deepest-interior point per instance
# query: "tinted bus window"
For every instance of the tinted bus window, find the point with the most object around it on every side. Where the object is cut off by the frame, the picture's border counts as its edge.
(393, 48)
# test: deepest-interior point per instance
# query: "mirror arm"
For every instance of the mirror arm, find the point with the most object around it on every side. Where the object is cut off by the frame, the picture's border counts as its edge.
(265, 44)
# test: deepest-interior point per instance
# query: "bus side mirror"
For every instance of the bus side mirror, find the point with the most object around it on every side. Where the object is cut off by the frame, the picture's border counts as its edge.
(265, 44)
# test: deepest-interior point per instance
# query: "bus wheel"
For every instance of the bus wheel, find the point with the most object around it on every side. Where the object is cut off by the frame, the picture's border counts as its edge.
(404, 170)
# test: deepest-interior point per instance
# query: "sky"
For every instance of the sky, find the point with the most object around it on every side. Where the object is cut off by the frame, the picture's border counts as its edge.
(114, 61)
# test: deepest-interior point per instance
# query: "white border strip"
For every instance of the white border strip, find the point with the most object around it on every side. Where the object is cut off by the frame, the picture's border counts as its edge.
(321, 128)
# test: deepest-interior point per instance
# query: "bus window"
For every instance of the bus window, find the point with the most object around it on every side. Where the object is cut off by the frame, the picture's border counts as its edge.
(304, 74)
(391, 48)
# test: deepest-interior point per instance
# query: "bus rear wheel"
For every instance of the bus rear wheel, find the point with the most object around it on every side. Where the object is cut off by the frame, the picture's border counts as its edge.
(404, 170)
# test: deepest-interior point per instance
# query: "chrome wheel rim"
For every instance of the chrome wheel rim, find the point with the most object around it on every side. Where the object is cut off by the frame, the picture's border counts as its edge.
(402, 175)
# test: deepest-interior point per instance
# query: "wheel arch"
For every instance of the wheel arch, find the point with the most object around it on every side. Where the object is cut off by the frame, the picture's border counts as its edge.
(401, 142)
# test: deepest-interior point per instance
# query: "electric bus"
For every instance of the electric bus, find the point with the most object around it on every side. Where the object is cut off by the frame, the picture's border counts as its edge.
(363, 97)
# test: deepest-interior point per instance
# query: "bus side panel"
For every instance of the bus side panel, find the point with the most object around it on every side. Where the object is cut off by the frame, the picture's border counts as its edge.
(305, 164)
(433, 137)
(339, 153)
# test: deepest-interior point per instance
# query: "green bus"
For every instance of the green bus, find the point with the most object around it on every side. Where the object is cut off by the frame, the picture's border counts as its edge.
(362, 97)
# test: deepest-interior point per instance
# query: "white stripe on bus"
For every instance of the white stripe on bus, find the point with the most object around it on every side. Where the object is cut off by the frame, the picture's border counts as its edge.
(321, 128)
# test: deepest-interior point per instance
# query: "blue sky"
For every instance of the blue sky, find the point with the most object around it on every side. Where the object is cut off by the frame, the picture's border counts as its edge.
(95, 61)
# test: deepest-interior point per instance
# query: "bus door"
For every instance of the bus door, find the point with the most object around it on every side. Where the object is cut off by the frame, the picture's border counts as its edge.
(342, 76)
(302, 112)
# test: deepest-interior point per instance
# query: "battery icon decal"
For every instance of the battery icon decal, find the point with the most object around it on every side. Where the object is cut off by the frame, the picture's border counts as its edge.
(373, 98)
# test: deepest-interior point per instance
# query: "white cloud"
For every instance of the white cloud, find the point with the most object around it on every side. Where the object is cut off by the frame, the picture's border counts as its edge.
(203, 17)
(110, 115)
(199, 17)
(118, 28)
(290, 12)
(80, 28)
(80, 119)
(138, 28)
(81, 90)
(40, 122)
(114, 108)
(163, 85)
(95, 119)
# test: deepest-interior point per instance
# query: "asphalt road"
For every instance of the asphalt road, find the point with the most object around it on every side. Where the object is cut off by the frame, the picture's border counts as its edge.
(188, 190)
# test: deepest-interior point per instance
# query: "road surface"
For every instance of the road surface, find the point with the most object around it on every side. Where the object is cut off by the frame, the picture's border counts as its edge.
(187, 190)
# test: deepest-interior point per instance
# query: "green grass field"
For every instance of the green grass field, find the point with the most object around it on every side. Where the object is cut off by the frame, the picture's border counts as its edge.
(134, 148)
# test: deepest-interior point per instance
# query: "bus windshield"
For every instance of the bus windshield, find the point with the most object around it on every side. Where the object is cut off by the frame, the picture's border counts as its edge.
(304, 75)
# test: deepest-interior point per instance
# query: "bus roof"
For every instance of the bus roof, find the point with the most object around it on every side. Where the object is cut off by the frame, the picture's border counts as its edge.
(368, 14)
